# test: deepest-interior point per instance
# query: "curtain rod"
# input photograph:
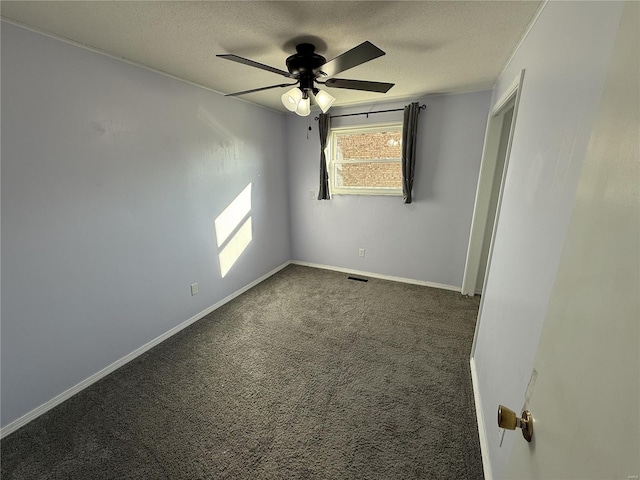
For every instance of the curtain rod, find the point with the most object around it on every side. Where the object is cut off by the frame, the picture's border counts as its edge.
(421, 107)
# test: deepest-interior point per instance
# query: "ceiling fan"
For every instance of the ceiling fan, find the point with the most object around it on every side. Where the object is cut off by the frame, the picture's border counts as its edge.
(307, 67)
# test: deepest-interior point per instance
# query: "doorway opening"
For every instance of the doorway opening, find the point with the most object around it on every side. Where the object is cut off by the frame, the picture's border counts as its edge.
(493, 168)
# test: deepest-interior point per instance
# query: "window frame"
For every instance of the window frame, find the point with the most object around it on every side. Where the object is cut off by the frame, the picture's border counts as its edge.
(331, 163)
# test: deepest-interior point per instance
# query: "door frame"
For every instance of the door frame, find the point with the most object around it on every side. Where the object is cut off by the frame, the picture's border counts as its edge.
(489, 154)
(485, 186)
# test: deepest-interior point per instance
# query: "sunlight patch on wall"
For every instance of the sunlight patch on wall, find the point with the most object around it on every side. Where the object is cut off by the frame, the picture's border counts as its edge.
(231, 217)
(238, 243)
(234, 230)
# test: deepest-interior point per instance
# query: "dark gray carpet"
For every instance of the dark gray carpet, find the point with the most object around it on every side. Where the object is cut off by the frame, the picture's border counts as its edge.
(306, 376)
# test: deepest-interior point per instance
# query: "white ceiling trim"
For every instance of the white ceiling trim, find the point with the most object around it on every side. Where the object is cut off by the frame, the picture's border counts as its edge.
(431, 46)
(126, 60)
(534, 20)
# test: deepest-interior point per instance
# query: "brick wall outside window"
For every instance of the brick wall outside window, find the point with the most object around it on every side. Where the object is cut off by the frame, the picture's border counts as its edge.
(363, 146)
(387, 175)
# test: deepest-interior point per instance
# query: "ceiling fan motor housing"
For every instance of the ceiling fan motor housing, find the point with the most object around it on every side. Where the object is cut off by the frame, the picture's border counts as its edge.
(303, 63)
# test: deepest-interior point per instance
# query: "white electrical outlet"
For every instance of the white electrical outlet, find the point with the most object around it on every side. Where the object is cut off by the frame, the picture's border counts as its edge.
(194, 289)
(361, 252)
(312, 195)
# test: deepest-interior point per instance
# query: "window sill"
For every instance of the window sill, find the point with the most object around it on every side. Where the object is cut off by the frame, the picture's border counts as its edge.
(369, 193)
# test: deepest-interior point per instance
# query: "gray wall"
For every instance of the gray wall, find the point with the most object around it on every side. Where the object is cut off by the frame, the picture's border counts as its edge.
(566, 57)
(112, 177)
(426, 240)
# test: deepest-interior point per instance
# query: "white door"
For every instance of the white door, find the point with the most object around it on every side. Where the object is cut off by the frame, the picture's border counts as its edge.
(586, 400)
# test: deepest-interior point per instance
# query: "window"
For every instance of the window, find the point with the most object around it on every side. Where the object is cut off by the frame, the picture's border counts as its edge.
(366, 160)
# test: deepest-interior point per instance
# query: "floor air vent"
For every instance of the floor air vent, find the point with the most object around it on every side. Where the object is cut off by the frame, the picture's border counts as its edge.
(358, 279)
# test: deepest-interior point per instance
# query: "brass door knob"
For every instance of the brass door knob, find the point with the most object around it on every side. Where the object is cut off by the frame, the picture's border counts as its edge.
(508, 419)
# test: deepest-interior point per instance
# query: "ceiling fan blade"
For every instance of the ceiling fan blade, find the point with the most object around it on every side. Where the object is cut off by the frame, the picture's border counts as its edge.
(251, 63)
(356, 56)
(379, 87)
(260, 89)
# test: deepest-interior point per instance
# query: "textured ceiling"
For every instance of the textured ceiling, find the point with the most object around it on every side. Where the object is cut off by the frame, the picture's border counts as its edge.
(431, 47)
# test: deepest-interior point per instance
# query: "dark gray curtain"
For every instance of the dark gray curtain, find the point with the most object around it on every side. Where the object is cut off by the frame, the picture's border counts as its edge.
(323, 128)
(409, 136)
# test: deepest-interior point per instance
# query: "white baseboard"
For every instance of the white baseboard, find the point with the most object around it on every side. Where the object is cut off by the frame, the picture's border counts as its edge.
(484, 449)
(57, 400)
(380, 276)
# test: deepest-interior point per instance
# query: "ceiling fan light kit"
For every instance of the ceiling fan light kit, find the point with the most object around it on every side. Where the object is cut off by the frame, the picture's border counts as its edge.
(306, 67)
(304, 107)
(291, 99)
(324, 100)
(295, 100)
